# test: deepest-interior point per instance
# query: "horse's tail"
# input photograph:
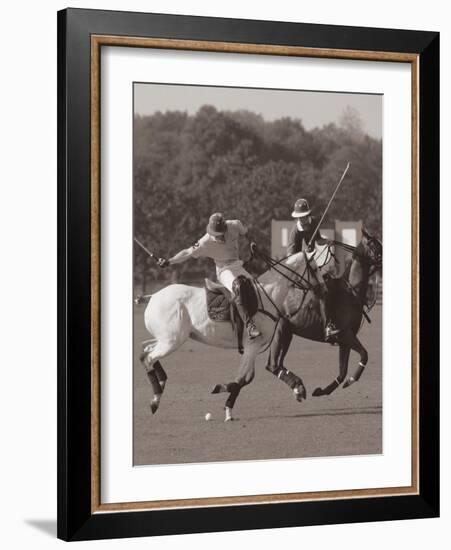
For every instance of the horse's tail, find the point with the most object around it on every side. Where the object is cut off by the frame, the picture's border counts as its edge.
(142, 299)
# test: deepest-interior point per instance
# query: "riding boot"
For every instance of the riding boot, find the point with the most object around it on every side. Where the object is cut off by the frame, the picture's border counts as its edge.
(330, 330)
(252, 330)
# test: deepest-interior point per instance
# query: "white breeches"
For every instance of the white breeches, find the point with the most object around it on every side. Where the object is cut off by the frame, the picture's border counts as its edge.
(226, 275)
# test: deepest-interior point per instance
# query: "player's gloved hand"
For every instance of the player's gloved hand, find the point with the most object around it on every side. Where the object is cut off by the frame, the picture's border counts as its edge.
(162, 262)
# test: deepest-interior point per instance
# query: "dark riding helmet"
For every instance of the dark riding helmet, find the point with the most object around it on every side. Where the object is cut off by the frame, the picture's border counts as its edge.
(216, 225)
(301, 209)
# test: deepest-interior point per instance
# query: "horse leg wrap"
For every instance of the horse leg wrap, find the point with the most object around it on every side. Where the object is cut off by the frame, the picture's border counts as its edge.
(288, 377)
(154, 382)
(359, 371)
(331, 387)
(161, 374)
(234, 389)
(228, 414)
(222, 388)
(327, 390)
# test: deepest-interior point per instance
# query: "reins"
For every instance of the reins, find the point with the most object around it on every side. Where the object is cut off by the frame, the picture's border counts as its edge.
(259, 285)
(304, 284)
(273, 264)
(344, 246)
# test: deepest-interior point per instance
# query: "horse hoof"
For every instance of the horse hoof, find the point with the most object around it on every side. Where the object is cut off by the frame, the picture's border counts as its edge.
(317, 392)
(229, 419)
(154, 407)
(348, 382)
(300, 393)
(218, 388)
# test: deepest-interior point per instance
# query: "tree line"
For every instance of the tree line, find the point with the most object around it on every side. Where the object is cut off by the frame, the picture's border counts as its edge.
(188, 166)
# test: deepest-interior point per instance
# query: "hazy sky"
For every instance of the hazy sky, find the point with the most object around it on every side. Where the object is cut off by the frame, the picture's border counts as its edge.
(313, 108)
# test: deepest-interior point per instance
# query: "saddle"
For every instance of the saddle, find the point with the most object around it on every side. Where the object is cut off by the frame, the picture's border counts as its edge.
(219, 301)
(221, 307)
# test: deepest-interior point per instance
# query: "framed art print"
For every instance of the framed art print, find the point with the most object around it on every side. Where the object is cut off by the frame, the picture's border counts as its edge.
(248, 265)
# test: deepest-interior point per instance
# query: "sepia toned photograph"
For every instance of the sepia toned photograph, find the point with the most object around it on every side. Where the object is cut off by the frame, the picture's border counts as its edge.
(257, 271)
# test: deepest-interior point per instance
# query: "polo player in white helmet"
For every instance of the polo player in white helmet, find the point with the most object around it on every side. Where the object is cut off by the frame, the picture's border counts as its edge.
(302, 238)
(220, 243)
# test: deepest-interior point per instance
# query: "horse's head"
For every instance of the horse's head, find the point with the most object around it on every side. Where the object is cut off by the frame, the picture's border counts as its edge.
(370, 249)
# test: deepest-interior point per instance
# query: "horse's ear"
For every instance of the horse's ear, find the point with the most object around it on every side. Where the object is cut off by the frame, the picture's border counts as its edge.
(365, 233)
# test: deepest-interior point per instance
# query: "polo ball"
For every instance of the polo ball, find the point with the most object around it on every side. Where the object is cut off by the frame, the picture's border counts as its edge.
(208, 416)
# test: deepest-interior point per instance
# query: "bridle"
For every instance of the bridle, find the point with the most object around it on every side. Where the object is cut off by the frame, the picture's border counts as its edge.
(299, 281)
(303, 283)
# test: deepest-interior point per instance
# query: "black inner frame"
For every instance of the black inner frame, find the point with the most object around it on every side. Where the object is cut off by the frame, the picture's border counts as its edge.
(75, 521)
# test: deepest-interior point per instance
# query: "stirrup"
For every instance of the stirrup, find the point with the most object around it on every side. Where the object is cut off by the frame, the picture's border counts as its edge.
(330, 332)
(252, 330)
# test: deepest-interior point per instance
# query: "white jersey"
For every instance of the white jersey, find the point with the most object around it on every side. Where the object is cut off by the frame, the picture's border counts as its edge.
(223, 251)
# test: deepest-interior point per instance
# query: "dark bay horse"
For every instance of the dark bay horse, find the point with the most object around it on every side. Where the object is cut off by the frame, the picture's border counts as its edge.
(346, 299)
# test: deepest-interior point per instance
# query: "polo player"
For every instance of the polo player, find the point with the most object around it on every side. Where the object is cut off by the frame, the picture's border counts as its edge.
(221, 244)
(302, 238)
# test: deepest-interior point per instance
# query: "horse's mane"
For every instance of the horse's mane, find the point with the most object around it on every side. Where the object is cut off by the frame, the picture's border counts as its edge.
(269, 275)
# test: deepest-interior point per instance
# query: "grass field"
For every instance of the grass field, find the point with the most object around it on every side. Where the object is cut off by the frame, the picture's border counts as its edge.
(269, 423)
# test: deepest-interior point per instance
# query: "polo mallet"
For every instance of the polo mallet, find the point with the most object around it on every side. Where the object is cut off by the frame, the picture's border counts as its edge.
(328, 205)
(325, 212)
(142, 298)
(146, 250)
